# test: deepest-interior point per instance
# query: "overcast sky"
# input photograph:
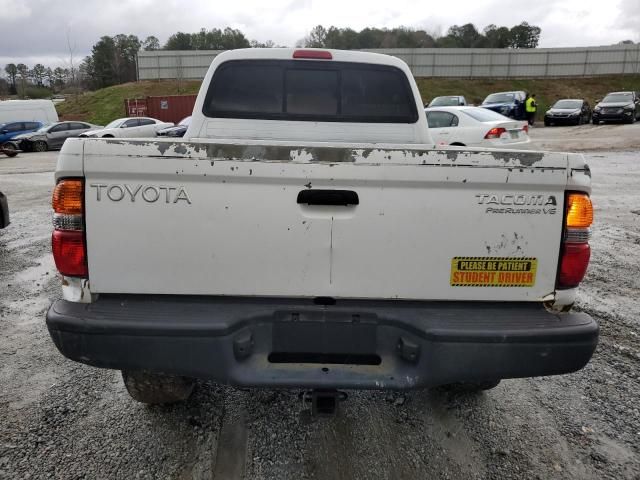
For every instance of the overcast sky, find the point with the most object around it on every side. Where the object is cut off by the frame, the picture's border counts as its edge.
(35, 31)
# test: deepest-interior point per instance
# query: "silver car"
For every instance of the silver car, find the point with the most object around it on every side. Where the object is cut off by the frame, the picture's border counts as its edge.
(51, 137)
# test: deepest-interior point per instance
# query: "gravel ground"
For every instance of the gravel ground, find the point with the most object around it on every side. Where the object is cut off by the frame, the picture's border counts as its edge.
(586, 138)
(59, 419)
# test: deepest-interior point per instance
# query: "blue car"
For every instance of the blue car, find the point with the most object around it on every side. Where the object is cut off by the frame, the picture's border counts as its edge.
(11, 129)
(509, 104)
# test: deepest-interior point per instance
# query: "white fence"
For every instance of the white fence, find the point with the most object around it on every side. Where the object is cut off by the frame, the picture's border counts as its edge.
(440, 62)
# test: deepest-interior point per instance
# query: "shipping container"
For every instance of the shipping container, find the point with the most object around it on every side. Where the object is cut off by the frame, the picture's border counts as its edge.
(169, 108)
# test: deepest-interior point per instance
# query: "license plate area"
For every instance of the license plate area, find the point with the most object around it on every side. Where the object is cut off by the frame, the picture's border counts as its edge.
(320, 338)
(514, 134)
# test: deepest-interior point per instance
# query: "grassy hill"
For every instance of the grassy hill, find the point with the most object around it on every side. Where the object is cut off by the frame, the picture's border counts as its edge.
(107, 104)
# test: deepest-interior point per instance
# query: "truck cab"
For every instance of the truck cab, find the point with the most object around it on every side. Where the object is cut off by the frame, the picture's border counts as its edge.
(320, 95)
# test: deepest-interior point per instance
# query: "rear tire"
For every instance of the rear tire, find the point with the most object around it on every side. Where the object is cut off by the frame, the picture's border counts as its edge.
(157, 388)
(471, 387)
(40, 146)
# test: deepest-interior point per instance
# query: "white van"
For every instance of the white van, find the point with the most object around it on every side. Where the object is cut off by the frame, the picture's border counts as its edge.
(28, 110)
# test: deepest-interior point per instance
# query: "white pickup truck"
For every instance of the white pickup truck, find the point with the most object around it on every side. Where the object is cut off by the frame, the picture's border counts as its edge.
(305, 233)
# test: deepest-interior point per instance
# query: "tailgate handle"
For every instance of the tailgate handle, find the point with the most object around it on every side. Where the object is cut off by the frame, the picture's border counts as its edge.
(328, 197)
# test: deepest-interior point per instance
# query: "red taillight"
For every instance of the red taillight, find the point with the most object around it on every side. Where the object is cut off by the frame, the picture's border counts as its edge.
(313, 54)
(68, 239)
(495, 133)
(573, 264)
(525, 129)
(575, 251)
(69, 253)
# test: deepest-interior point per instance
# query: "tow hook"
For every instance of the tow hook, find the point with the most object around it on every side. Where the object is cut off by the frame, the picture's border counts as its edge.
(324, 403)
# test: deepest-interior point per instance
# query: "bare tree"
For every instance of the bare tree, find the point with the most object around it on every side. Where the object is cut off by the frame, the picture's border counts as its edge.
(12, 73)
(4, 87)
(72, 68)
(23, 71)
(48, 74)
(179, 73)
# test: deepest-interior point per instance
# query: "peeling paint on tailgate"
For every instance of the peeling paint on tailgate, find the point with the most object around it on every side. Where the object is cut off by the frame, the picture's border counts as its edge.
(243, 232)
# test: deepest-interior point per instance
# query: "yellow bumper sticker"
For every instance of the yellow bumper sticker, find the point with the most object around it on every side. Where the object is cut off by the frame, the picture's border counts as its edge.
(493, 272)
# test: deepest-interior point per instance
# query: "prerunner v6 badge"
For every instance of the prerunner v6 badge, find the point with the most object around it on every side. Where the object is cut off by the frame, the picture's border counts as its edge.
(493, 272)
(518, 204)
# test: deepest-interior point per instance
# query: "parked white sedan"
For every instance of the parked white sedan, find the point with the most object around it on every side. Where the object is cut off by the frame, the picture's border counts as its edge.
(132, 127)
(474, 127)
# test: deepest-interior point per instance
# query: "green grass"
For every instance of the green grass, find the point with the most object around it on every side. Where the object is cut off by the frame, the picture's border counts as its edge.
(107, 104)
(547, 91)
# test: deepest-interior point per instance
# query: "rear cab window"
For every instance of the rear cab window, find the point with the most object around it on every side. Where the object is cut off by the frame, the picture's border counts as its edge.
(310, 91)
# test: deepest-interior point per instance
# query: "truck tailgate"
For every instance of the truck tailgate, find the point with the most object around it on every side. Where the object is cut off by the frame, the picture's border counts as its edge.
(230, 219)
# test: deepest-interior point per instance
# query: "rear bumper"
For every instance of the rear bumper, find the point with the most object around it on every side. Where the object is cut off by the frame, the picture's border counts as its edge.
(294, 343)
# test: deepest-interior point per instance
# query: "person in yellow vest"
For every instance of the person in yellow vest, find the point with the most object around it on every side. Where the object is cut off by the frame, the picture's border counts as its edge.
(531, 106)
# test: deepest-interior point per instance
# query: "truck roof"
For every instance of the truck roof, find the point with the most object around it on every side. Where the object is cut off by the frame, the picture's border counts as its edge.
(287, 54)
